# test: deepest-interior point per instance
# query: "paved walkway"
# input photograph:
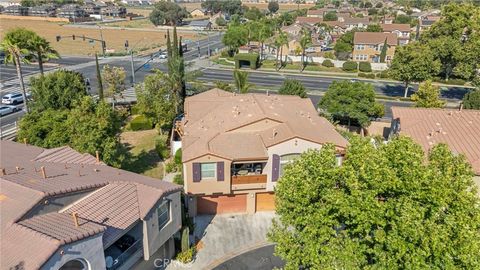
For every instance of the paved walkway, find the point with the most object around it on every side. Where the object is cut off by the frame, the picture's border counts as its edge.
(225, 236)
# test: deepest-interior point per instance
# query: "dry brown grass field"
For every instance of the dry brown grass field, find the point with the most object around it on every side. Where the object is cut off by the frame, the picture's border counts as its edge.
(114, 38)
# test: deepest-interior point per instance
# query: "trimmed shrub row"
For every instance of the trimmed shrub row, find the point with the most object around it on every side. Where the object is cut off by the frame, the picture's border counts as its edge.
(327, 63)
(366, 75)
(365, 67)
(350, 66)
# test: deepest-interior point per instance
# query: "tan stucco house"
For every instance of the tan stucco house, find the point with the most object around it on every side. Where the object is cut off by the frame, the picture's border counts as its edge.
(401, 30)
(367, 46)
(61, 209)
(235, 147)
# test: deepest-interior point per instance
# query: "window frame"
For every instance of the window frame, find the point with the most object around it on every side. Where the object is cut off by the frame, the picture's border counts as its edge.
(161, 213)
(285, 162)
(214, 171)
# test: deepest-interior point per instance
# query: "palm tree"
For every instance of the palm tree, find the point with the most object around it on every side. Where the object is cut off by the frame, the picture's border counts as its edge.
(14, 54)
(263, 34)
(42, 50)
(280, 41)
(305, 41)
(241, 81)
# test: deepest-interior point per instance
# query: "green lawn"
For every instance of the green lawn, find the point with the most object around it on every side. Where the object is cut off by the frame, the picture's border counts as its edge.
(144, 159)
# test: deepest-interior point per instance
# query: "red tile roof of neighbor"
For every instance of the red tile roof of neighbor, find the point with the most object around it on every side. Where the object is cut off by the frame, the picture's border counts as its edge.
(460, 130)
(375, 38)
(114, 191)
(395, 26)
(215, 124)
(309, 20)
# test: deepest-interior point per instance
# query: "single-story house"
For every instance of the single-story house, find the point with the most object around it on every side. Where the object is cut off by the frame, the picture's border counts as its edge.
(200, 25)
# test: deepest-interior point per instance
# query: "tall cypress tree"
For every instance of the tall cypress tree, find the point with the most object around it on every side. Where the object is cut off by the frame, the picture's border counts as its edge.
(175, 41)
(99, 79)
(183, 87)
(169, 45)
(383, 53)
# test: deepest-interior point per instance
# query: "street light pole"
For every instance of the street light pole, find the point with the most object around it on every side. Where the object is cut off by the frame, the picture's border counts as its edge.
(208, 44)
(103, 42)
(132, 66)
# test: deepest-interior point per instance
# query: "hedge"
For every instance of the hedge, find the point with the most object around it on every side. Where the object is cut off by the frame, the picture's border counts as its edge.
(141, 122)
(252, 58)
(451, 81)
(327, 63)
(383, 74)
(350, 66)
(161, 146)
(365, 67)
(366, 75)
(178, 157)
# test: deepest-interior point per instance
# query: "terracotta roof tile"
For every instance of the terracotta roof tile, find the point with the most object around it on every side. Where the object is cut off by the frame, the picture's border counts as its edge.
(375, 38)
(395, 26)
(65, 154)
(240, 124)
(460, 130)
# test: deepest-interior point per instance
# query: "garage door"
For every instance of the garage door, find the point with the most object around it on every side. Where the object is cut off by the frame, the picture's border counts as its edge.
(265, 202)
(222, 204)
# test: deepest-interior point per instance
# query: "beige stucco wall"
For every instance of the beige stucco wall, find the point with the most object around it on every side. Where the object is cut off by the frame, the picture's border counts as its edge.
(89, 250)
(153, 238)
(372, 52)
(288, 147)
(208, 186)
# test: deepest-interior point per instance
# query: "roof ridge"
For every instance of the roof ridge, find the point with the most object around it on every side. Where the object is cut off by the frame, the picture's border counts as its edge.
(50, 151)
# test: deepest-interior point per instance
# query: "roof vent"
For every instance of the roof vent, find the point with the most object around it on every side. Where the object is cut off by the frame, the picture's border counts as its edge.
(44, 174)
(3, 172)
(97, 156)
(75, 219)
(274, 133)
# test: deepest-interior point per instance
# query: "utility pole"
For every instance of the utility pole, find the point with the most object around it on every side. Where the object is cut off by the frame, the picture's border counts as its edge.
(132, 66)
(103, 42)
(208, 44)
(198, 47)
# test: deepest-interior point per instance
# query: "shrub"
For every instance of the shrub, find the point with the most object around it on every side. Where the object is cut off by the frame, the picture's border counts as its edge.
(451, 81)
(366, 75)
(161, 146)
(186, 256)
(141, 122)
(350, 66)
(134, 110)
(170, 167)
(327, 63)
(329, 55)
(365, 67)
(383, 74)
(178, 157)
(178, 179)
(252, 58)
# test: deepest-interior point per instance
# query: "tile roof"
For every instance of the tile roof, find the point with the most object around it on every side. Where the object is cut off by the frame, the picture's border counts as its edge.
(309, 20)
(375, 38)
(241, 126)
(428, 127)
(316, 12)
(356, 20)
(395, 26)
(114, 203)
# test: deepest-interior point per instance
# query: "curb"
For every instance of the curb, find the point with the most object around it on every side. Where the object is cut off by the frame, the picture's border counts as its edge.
(236, 253)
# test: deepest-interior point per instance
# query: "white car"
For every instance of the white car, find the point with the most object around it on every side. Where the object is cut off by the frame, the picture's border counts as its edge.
(310, 50)
(162, 55)
(7, 109)
(12, 99)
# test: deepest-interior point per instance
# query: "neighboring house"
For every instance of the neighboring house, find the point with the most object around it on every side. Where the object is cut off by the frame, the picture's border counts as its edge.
(354, 22)
(201, 25)
(387, 19)
(235, 147)
(309, 20)
(92, 9)
(113, 11)
(71, 11)
(16, 10)
(198, 12)
(401, 30)
(367, 46)
(459, 129)
(426, 22)
(316, 13)
(342, 16)
(61, 209)
(42, 11)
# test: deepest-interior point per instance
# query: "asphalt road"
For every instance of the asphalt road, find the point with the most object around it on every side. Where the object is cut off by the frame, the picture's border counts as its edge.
(258, 259)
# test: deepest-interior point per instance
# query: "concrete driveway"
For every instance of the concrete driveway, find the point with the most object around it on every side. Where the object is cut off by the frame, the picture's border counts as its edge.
(223, 237)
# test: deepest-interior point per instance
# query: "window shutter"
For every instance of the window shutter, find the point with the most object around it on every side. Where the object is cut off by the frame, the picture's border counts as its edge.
(220, 171)
(196, 172)
(275, 167)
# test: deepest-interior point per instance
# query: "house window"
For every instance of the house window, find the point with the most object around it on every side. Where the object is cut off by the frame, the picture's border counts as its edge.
(286, 159)
(339, 160)
(360, 47)
(208, 170)
(163, 213)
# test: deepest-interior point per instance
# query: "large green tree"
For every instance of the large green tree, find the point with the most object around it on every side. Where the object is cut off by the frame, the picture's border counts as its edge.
(165, 12)
(235, 37)
(351, 103)
(413, 63)
(156, 100)
(273, 6)
(455, 40)
(114, 80)
(58, 90)
(383, 208)
(293, 87)
(88, 127)
(428, 96)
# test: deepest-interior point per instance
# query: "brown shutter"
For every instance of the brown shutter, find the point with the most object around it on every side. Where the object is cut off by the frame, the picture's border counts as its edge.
(275, 167)
(220, 171)
(196, 172)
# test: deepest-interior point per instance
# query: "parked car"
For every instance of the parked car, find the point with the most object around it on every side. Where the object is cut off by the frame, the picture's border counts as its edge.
(7, 109)
(326, 49)
(12, 99)
(310, 50)
(162, 55)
